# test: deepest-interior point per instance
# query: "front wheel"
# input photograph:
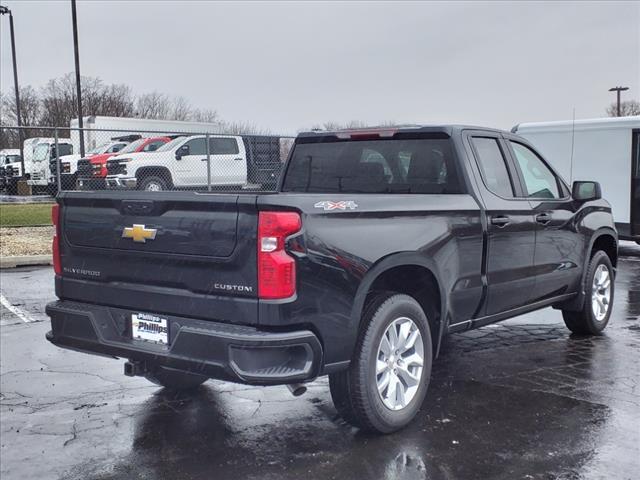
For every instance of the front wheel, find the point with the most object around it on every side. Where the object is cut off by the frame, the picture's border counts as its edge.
(174, 379)
(599, 288)
(153, 183)
(387, 380)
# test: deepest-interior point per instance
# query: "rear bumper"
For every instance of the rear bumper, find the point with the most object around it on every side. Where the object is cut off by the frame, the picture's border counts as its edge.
(217, 350)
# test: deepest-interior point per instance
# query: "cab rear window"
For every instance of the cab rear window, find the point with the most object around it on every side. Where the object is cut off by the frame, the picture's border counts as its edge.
(422, 165)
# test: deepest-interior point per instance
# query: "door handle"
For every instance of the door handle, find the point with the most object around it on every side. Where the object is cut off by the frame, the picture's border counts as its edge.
(500, 221)
(239, 159)
(543, 218)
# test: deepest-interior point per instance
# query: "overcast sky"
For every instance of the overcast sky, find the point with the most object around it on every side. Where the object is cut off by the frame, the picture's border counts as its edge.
(286, 66)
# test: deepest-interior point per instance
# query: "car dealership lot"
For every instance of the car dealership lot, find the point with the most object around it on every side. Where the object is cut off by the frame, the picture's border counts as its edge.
(521, 399)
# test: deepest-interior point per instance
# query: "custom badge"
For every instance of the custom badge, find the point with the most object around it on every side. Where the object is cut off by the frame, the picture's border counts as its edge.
(139, 233)
(342, 205)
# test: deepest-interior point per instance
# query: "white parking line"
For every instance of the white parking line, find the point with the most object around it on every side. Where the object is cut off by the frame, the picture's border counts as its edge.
(18, 312)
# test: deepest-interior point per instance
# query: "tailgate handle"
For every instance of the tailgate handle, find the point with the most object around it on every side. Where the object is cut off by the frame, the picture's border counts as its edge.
(137, 207)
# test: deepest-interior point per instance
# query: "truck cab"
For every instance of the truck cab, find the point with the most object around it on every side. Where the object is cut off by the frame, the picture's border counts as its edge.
(9, 160)
(44, 152)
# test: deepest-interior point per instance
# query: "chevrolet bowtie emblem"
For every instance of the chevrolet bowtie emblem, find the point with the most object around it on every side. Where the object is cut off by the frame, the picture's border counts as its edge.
(139, 233)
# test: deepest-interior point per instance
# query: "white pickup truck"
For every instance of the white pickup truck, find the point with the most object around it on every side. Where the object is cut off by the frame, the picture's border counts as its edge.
(182, 163)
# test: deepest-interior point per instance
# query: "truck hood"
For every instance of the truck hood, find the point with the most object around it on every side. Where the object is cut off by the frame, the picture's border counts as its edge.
(139, 155)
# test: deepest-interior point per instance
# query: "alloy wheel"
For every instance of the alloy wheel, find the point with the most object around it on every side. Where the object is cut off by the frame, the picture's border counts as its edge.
(601, 292)
(399, 363)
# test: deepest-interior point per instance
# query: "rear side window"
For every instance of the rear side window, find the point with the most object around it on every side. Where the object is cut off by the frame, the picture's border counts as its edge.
(423, 165)
(493, 166)
(223, 146)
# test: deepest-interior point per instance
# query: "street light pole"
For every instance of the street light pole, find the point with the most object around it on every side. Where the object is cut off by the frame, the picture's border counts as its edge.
(77, 60)
(618, 90)
(4, 11)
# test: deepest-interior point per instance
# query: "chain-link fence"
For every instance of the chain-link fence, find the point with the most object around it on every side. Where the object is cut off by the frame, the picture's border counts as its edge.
(152, 160)
(36, 168)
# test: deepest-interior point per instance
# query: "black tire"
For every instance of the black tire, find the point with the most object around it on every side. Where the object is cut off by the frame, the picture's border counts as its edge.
(177, 380)
(153, 183)
(585, 322)
(355, 391)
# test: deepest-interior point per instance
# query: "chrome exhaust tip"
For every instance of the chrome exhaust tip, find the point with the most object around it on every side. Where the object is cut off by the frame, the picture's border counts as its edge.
(296, 389)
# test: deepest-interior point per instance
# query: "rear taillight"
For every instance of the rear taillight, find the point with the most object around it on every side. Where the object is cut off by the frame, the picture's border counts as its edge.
(55, 247)
(276, 268)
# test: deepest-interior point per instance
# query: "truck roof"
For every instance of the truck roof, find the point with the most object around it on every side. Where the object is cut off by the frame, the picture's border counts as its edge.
(448, 129)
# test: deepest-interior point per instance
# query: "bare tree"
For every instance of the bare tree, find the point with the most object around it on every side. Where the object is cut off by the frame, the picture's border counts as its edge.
(59, 105)
(30, 112)
(332, 125)
(627, 108)
(204, 115)
(55, 105)
(242, 128)
(154, 105)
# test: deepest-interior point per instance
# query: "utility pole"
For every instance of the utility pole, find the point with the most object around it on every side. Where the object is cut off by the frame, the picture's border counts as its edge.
(74, 20)
(5, 11)
(618, 90)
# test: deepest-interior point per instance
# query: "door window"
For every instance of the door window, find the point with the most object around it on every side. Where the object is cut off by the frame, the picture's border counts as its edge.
(493, 166)
(116, 147)
(197, 146)
(540, 182)
(153, 146)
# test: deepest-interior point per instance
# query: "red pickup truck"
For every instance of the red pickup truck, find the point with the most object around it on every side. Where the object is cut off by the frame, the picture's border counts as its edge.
(92, 171)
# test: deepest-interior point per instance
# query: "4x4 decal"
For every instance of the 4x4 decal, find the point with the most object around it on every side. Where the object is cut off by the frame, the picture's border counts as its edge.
(342, 205)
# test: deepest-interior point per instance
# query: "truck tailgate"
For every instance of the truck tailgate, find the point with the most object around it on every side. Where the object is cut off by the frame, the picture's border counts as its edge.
(180, 253)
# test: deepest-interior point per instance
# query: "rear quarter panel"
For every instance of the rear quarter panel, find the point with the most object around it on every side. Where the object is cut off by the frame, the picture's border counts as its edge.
(338, 252)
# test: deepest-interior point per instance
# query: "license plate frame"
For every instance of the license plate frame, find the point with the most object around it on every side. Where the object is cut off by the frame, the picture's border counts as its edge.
(150, 328)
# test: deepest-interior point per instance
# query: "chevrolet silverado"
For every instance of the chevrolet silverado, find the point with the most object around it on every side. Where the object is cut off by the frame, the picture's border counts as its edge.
(376, 244)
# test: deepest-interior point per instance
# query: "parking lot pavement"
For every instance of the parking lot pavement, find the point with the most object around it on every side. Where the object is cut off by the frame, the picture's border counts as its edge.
(519, 400)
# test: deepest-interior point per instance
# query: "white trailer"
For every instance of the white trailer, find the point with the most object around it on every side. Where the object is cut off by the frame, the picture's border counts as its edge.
(603, 149)
(121, 126)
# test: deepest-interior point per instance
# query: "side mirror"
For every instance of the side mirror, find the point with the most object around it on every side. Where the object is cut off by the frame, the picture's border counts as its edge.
(182, 151)
(585, 191)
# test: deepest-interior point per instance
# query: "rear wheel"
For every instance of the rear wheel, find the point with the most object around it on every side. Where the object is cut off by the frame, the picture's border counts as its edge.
(153, 183)
(599, 287)
(174, 379)
(387, 380)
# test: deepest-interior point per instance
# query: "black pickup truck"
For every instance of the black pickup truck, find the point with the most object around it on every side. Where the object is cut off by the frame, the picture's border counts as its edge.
(377, 244)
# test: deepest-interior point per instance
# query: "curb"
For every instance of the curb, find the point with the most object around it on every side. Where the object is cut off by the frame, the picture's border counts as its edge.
(25, 260)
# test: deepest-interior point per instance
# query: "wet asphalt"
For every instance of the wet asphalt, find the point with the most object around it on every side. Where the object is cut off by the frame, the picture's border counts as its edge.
(523, 399)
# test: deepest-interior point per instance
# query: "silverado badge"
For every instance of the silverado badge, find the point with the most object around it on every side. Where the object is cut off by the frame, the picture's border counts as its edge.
(139, 233)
